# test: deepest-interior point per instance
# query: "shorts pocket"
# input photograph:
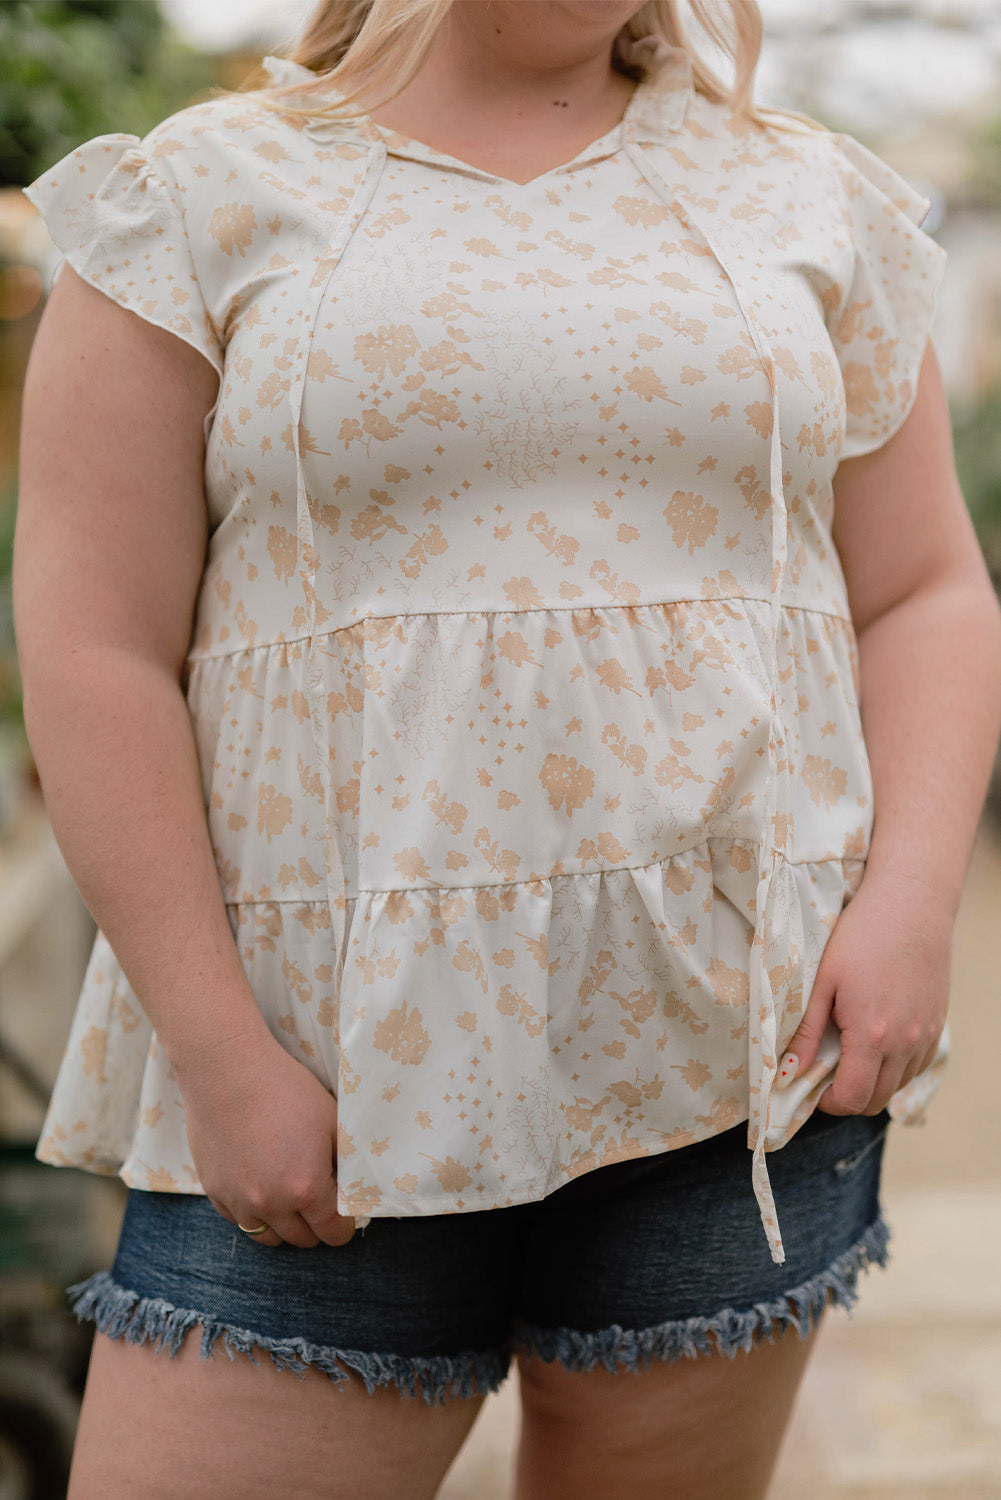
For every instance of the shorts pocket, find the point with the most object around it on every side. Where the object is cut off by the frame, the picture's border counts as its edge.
(879, 1124)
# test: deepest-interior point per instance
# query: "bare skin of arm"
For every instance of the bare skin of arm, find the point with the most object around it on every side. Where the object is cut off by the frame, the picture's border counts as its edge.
(929, 633)
(109, 552)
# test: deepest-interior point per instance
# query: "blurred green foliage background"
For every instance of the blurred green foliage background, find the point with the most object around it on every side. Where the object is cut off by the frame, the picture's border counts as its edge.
(73, 69)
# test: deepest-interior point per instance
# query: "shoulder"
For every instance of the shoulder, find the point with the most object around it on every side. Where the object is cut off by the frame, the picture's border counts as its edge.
(778, 135)
(757, 168)
(195, 136)
(851, 169)
(238, 143)
(244, 176)
(796, 154)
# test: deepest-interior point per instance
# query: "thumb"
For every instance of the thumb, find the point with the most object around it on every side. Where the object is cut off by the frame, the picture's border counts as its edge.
(802, 1049)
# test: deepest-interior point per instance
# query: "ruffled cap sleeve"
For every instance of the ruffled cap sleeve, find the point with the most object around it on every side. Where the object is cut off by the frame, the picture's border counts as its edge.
(882, 325)
(116, 222)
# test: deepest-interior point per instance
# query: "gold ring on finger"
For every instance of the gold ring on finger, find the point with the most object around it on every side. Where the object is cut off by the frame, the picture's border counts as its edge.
(259, 1230)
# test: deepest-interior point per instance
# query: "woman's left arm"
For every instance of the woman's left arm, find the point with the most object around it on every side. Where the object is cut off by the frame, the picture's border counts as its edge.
(929, 634)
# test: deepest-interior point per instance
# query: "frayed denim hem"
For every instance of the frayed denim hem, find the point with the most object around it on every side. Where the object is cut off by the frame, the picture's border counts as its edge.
(119, 1313)
(726, 1333)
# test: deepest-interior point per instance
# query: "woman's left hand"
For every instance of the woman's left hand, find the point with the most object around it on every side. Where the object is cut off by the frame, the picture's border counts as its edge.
(884, 980)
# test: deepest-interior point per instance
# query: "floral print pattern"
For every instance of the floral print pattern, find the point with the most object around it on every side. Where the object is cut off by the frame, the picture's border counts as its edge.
(523, 676)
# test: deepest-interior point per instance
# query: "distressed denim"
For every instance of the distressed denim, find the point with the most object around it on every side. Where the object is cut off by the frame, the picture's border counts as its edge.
(656, 1258)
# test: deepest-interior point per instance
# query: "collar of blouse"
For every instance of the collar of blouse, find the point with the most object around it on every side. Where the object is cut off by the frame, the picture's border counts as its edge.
(654, 113)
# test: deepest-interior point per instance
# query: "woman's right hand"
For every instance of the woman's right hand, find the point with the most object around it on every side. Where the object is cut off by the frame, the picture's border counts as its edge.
(263, 1135)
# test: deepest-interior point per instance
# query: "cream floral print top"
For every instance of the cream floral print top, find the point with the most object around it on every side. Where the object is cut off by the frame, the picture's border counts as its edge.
(523, 677)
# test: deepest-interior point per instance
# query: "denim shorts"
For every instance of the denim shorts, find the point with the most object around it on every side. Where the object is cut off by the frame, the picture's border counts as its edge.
(653, 1258)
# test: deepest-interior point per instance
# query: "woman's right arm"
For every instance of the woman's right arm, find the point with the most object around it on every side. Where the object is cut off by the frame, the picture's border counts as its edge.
(108, 557)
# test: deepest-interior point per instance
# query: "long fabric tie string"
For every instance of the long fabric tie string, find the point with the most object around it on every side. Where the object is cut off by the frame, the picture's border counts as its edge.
(762, 1017)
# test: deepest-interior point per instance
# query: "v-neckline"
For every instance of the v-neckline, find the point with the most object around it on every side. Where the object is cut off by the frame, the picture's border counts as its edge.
(655, 111)
(398, 143)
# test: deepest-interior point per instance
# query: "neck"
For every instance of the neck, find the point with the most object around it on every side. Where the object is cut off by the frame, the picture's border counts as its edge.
(507, 64)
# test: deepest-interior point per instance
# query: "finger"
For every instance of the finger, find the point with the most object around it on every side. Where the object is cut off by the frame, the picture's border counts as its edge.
(923, 1060)
(312, 1218)
(291, 1228)
(933, 1049)
(331, 1227)
(853, 1082)
(319, 1212)
(802, 1049)
(888, 1081)
(220, 1209)
(269, 1239)
(250, 1220)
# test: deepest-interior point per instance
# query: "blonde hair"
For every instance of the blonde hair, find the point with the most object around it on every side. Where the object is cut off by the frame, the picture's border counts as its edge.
(384, 43)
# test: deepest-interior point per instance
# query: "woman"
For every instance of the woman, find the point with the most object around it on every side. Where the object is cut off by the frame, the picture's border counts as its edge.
(501, 497)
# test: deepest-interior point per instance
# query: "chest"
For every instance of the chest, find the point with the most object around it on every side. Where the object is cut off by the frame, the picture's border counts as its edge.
(543, 319)
(559, 377)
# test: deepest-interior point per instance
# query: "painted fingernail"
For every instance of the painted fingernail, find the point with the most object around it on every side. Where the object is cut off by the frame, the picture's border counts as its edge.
(787, 1069)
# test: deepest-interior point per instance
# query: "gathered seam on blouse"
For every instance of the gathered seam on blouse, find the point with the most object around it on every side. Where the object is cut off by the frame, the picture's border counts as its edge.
(505, 885)
(541, 609)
